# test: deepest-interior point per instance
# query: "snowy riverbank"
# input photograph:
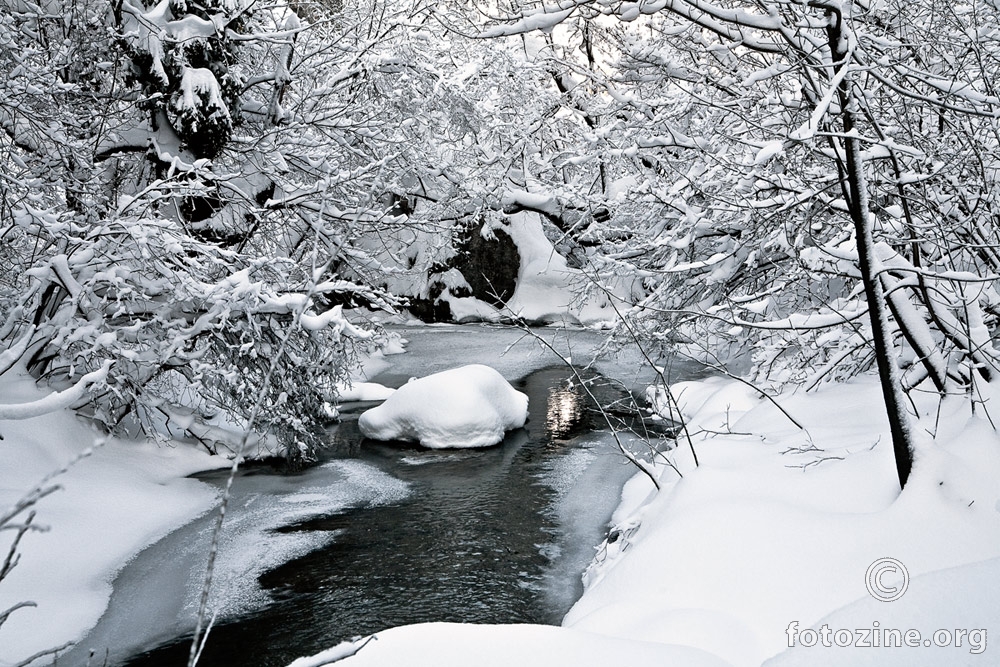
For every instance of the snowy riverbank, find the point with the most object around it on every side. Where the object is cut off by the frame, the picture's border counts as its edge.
(111, 504)
(128, 495)
(767, 544)
(768, 539)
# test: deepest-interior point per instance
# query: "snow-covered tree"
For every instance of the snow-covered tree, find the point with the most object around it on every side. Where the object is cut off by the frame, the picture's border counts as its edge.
(473, 126)
(187, 185)
(818, 176)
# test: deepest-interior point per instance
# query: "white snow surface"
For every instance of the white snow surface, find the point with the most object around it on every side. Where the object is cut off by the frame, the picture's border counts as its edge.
(464, 645)
(955, 599)
(198, 81)
(777, 526)
(112, 503)
(547, 288)
(364, 391)
(468, 406)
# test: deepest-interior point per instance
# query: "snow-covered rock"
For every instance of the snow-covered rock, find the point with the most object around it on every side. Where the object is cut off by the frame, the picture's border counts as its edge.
(470, 406)
(364, 391)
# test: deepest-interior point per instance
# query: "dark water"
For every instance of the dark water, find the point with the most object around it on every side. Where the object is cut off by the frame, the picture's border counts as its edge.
(479, 538)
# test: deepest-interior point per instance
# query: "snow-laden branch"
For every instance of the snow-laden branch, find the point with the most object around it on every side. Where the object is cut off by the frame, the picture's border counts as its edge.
(734, 25)
(10, 356)
(890, 261)
(770, 22)
(532, 201)
(59, 265)
(277, 37)
(57, 400)
(543, 18)
(331, 655)
(700, 265)
(807, 321)
(242, 295)
(808, 129)
(334, 320)
(963, 90)
(935, 101)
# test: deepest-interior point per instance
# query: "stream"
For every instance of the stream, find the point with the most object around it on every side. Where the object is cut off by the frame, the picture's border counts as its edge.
(383, 534)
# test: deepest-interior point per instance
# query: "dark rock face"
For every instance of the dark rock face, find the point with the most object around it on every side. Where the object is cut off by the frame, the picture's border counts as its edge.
(489, 265)
(430, 310)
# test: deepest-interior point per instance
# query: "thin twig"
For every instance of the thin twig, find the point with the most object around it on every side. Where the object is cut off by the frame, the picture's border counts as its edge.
(42, 654)
(671, 402)
(607, 418)
(197, 640)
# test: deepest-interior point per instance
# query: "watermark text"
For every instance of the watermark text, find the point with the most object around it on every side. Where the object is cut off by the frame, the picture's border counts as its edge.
(879, 637)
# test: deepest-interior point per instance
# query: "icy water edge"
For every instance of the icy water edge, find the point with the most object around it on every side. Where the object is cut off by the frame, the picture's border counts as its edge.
(379, 535)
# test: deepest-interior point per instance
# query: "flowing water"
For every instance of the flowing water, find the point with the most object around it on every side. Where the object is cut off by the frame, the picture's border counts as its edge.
(378, 535)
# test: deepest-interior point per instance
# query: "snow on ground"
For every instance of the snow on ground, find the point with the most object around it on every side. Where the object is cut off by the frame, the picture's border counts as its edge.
(758, 556)
(779, 525)
(127, 495)
(112, 504)
(761, 554)
(463, 645)
(955, 610)
(546, 285)
(469, 406)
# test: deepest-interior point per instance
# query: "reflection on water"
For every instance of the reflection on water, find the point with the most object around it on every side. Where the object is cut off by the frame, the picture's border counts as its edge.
(564, 410)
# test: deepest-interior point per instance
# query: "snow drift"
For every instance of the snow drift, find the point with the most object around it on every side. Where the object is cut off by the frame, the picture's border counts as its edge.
(459, 645)
(470, 406)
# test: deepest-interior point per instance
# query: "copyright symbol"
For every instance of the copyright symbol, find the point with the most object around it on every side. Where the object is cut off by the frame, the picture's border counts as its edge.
(878, 589)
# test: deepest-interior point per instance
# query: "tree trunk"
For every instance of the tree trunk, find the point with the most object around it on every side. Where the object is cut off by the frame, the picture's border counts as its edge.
(892, 393)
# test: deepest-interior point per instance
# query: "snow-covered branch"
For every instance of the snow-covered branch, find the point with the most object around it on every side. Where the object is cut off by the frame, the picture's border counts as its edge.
(57, 400)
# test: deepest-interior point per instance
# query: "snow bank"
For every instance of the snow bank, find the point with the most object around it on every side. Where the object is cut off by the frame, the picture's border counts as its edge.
(462, 645)
(940, 606)
(779, 525)
(547, 290)
(112, 504)
(470, 406)
(546, 286)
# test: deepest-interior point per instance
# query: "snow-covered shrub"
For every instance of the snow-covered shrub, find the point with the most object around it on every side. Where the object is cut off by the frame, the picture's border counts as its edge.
(181, 56)
(206, 276)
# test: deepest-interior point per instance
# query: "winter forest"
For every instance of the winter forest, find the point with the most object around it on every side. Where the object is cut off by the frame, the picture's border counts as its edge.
(221, 219)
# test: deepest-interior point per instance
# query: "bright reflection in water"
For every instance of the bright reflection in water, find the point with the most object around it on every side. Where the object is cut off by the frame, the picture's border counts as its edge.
(564, 411)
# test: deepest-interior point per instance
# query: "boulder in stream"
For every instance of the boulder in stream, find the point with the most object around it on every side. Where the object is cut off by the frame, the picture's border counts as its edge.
(469, 406)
